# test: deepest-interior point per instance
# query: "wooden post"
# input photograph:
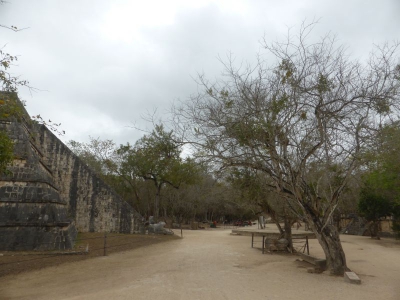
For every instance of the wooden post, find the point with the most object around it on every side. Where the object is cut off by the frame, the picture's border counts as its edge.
(263, 245)
(308, 249)
(181, 230)
(105, 244)
(252, 239)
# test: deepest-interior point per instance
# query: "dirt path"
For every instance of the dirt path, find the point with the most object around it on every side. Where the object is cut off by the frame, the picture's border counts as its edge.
(12, 263)
(212, 264)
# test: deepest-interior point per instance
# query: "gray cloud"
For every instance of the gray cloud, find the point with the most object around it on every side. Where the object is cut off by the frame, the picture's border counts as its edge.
(98, 78)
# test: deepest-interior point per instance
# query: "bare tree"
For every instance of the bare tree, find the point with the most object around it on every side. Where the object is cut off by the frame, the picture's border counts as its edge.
(302, 121)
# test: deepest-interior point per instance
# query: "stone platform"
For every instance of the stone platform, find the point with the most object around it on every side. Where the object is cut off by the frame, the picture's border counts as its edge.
(271, 232)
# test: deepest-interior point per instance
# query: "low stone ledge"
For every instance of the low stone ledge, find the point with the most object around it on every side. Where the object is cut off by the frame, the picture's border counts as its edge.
(35, 224)
(33, 201)
(317, 262)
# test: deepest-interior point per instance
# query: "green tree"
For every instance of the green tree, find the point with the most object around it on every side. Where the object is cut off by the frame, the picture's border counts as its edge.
(157, 157)
(103, 158)
(252, 183)
(314, 108)
(380, 196)
(99, 155)
(373, 207)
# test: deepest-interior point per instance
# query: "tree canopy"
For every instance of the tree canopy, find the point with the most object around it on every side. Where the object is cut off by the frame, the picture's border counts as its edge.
(380, 195)
(157, 157)
(302, 121)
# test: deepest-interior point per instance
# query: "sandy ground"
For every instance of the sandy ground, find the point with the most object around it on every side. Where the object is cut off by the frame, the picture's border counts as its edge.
(212, 264)
(15, 262)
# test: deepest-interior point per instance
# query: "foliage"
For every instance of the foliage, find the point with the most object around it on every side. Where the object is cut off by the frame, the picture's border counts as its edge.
(10, 105)
(156, 157)
(97, 154)
(208, 199)
(382, 180)
(9, 108)
(102, 158)
(9, 82)
(373, 206)
(302, 122)
(6, 151)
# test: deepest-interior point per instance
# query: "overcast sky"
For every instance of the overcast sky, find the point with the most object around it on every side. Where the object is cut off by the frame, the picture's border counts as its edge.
(101, 65)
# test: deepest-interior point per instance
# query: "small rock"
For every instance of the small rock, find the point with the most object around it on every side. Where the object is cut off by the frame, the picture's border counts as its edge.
(352, 278)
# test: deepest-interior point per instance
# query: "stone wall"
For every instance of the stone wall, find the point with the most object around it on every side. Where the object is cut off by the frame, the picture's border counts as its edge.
(94, 205)
(49, 194)
(357, 225)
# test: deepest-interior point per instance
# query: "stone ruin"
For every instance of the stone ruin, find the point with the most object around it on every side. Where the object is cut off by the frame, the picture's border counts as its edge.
(49, 194)
(158, 228)
(276, 244)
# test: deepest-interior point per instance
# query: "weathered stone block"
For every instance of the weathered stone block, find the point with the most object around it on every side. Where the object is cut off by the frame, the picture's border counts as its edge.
(352, 278)
(276, 245)
(49, 191)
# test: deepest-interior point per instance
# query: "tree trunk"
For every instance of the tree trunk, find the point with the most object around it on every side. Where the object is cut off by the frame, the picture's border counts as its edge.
(156, 204)
(276, 221)
(288, 232)
(281, 231)
(374, 229)
(328, 238)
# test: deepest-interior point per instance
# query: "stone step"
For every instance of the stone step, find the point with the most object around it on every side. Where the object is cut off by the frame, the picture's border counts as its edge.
(317, 262)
